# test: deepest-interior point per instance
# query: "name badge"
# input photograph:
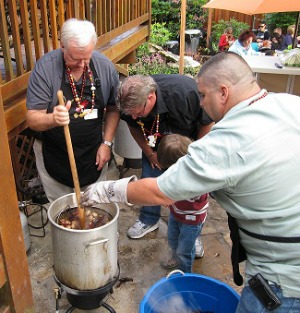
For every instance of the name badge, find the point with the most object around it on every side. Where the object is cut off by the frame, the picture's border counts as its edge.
(90, 115)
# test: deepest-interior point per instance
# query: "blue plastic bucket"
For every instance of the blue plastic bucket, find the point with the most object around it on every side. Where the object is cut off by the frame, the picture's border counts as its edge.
(188, 293)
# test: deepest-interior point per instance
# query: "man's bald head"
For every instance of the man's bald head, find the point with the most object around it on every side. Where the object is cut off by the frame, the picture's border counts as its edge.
(226, 68)
(224, 81)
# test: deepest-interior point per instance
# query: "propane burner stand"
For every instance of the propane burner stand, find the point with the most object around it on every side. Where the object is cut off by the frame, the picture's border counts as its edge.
(85, 299)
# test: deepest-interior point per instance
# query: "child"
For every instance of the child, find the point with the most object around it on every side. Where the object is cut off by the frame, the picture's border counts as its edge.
(186, 217)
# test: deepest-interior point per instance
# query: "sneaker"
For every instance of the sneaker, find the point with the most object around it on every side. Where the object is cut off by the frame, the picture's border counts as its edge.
(139, 229)
(199, 248)
(169, 262)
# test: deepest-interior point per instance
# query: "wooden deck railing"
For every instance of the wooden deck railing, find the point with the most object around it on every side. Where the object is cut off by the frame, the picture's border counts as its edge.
(30, 28)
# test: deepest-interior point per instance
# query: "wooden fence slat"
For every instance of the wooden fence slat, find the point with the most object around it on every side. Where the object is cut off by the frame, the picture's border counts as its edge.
(35, 26)
(104, 16)
(45, 26)
(75, 8)
(53, 21)
(114, 15)
(88, 13)
(98, 22)
(5, 44)
(108, 14)
(61, 12)
(81, 8)
(26, 34)
(126, 7)
(227, 15)
(12, 7)
(68, 9)
(104, 29)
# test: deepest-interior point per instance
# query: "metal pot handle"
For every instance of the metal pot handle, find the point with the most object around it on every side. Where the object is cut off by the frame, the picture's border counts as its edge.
(94, 243)
(174, 272)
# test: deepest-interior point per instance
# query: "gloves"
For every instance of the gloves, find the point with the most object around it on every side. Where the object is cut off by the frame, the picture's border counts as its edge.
(107, 192)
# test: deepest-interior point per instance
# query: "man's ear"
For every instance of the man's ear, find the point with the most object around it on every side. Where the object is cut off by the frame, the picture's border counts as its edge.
(152, 98)
(224, 93)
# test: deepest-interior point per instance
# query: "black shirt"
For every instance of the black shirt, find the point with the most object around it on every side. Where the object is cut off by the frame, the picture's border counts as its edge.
(178, 106)
(263, 35)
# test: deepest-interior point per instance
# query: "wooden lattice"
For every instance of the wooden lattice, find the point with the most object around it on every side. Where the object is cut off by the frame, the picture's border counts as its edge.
(24, 165)
(25, 155)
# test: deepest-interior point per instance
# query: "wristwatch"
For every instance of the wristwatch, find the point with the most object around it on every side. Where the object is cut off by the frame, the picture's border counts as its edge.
(108, 143)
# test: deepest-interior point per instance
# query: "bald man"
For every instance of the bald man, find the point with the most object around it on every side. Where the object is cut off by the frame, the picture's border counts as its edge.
(250, 160)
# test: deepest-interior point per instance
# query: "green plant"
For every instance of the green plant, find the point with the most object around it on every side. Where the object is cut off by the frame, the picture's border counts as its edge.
(156, 64)
(168, 11)
(142, 50)
(282, 20)
(148, 64)
(219, 28)
(159, 34)
(195, 17)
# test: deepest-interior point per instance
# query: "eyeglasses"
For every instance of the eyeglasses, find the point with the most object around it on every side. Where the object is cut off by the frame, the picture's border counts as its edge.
(139, 114)
(260, 26)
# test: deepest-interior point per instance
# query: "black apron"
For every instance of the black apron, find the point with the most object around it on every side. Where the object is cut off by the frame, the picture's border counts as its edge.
(86, 136)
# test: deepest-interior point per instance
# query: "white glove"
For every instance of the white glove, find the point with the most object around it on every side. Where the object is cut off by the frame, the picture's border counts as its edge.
(107, 192)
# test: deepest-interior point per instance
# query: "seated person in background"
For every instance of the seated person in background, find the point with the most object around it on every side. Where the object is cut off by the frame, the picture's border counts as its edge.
(289, 37)
(277, 39)
(226, 40)
(262, 32)
(186, 217)
(242, 45)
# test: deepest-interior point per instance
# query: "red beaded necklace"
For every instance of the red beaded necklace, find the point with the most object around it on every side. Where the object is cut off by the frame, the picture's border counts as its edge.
(262, 96)
(80, 106)
(152, 137)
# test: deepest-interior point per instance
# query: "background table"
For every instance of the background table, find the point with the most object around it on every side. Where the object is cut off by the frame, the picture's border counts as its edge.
(272, 78)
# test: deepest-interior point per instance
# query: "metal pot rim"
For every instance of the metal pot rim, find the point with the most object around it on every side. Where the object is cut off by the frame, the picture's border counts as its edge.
(81, 230)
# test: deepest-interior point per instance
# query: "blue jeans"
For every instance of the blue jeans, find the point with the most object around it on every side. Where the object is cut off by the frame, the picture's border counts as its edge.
(250, 304)
(149, 215)
(181, 238)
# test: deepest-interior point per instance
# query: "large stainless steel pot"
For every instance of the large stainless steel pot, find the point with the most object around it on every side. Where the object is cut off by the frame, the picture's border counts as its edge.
(84, 259)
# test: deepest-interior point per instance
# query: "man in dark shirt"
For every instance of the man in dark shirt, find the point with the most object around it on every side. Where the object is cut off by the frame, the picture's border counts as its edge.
(154, 106)
(262, 32)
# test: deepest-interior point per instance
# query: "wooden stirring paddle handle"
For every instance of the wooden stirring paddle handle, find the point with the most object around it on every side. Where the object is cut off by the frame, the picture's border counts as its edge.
(72, 164)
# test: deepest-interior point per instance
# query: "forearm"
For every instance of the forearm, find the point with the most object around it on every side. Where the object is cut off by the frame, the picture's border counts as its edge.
(39, 120)
(112, 119)
(146, 192)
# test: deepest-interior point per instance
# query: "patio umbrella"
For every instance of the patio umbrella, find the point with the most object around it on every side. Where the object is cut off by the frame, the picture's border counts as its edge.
(252, 7)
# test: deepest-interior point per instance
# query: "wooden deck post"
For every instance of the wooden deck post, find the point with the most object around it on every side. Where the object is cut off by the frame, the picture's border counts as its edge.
(15, 290)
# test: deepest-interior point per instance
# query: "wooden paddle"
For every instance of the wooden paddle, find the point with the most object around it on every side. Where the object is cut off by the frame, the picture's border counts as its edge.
(72, 165)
